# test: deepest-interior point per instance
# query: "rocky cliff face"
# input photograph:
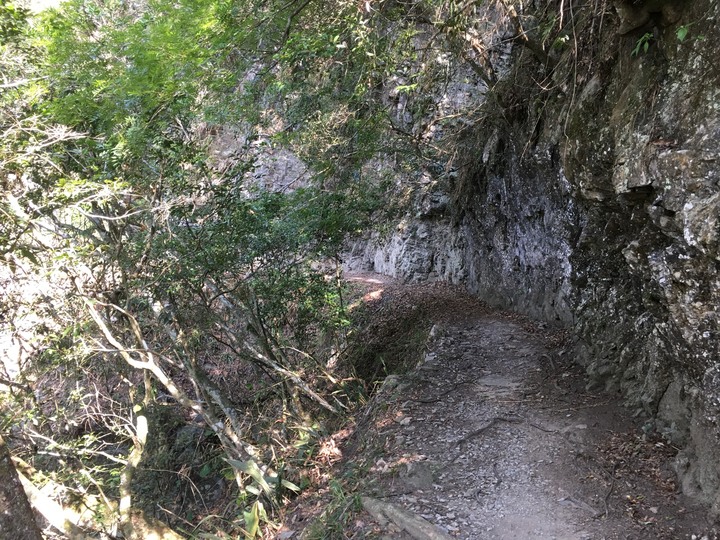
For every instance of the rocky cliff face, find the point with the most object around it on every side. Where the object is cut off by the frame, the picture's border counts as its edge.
(584, 189)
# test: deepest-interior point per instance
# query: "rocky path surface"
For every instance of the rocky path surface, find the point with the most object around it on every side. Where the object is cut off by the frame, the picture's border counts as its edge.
(493, 436)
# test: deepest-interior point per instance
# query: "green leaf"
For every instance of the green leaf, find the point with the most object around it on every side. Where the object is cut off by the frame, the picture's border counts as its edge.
(289, 485)
(25, 252)
(251, 469)
(682, 33)
(205, 471)
(406, 88)
(642, 44)
(252, 521)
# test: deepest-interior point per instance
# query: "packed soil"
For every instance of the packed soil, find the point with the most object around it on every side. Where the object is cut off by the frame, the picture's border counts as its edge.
(491, 434)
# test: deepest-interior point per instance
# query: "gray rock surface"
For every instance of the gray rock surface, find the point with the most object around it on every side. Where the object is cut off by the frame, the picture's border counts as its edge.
(586, 193)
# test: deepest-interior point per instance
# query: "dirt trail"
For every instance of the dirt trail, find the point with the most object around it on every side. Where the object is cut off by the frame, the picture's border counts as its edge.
(493, 436)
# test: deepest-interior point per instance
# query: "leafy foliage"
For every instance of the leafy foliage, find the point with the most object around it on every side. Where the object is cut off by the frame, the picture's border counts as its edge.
(12, 20)
(146, 253)
(642, 44)
(144, 264)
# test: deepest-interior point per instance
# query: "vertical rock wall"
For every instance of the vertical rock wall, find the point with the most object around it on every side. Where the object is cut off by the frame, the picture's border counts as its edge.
(587, 191)
(644, 155)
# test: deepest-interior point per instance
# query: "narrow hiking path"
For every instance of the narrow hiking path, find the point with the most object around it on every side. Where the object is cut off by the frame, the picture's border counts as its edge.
(494, 436)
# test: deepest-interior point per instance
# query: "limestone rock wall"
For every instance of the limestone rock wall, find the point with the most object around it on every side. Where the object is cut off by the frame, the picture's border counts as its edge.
(643, 149)
(587, 192)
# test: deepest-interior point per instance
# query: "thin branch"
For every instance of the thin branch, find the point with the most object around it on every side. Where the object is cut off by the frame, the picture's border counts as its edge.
(234, 446)
(14, 384)
(69, 451)
(21, 82)
(253, 354)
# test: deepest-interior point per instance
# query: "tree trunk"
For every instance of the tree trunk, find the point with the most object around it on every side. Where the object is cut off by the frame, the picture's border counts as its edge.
(17, 520)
